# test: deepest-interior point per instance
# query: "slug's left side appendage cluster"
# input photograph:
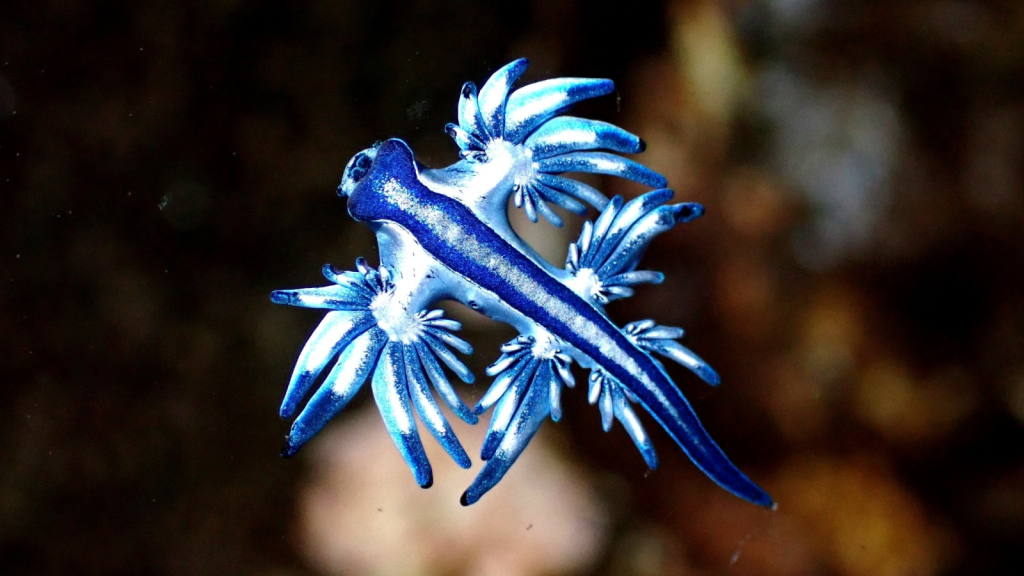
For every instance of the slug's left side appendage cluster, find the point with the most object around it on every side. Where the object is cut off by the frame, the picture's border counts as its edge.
(401, 359)
(435, 229)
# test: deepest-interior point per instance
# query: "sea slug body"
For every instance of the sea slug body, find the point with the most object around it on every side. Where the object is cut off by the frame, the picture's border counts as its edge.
(445, 234)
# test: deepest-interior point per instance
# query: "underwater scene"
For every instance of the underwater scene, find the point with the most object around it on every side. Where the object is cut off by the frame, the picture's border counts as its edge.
(680, 287)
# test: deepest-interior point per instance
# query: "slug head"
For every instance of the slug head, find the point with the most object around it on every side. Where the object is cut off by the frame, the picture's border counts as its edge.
(356, 170)
(382, 183)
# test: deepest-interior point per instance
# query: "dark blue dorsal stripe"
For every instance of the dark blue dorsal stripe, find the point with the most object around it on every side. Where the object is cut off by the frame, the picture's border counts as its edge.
(450, 232)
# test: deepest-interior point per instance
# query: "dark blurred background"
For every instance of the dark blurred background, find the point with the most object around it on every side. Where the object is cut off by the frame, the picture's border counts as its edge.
(857, 282)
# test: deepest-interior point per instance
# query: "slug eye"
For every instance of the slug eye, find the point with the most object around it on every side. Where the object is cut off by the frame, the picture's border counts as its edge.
(356, 170)
(360, 166)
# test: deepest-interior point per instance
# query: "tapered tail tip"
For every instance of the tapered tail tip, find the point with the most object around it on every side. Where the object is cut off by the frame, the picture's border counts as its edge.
(761, 498)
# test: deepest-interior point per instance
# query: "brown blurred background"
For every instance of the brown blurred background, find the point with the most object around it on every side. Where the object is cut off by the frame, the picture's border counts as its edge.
(857, 282)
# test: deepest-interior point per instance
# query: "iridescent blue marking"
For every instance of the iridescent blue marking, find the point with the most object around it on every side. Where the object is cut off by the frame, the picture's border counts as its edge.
(444, 234)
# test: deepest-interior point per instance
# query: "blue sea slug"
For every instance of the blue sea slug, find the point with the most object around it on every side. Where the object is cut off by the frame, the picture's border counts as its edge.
(445, 234)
